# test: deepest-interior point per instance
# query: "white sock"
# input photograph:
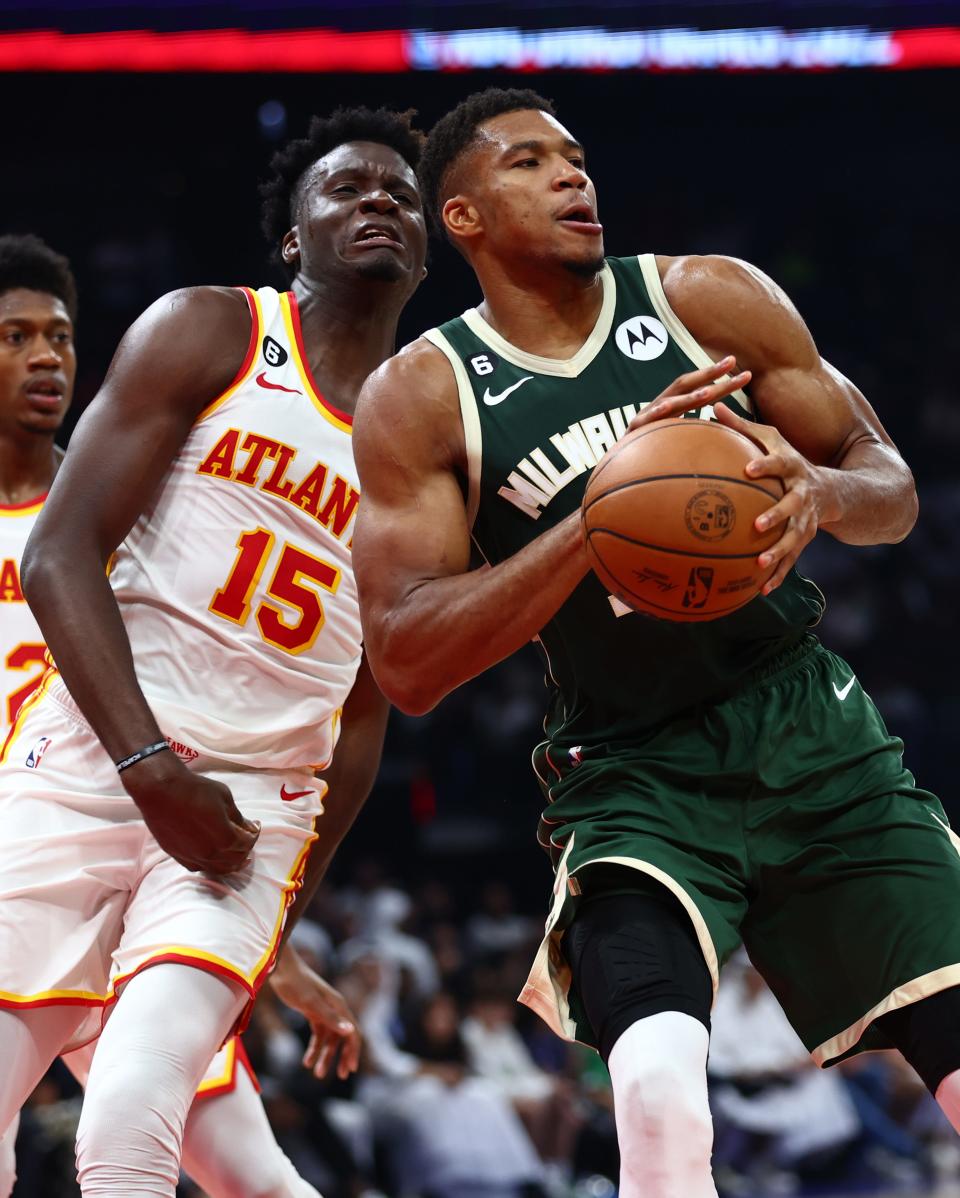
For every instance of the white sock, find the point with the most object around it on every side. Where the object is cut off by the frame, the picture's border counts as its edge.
(658, 1069)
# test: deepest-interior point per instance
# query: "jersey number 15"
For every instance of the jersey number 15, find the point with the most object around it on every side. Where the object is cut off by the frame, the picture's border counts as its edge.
(295, 570)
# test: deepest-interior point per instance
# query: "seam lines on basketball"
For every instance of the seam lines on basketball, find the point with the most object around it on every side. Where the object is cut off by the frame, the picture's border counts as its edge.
(677, 552)
(656, 478)
(658, 426)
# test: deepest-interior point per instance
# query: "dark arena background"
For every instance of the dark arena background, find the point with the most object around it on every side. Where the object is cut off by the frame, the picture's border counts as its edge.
(820, 141)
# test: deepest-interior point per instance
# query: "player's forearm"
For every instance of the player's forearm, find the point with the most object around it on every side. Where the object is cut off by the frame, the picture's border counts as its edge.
(82, 627)
(448, 630)
(871, 497)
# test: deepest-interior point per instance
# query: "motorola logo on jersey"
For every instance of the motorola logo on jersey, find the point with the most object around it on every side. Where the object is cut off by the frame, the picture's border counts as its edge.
(642, 338)
(273, 352)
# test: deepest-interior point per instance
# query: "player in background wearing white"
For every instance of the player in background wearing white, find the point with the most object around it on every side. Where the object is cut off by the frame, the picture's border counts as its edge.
(228, 1143)
(230, 625)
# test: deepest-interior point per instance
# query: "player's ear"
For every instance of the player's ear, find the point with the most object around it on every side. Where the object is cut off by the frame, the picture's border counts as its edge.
(290, 246)
(461, 218)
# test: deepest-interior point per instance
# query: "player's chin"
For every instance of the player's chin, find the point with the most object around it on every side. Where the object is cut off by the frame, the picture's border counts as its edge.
(383, 266)
(585, 266)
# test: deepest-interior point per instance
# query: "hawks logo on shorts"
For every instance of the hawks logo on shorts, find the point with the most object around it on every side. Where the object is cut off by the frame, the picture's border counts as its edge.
(35, 756)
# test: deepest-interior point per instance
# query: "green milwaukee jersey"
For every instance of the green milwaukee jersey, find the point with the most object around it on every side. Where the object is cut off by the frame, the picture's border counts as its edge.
(534, 429)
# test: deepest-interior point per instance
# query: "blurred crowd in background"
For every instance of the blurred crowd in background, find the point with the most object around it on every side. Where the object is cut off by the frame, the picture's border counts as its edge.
(843, 188)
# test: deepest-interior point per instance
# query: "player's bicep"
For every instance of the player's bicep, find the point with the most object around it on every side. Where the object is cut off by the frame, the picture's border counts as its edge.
(412, 521)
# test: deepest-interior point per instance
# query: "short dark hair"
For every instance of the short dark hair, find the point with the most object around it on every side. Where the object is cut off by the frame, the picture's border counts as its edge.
(456, 131)
(280, 193)
(26, 261)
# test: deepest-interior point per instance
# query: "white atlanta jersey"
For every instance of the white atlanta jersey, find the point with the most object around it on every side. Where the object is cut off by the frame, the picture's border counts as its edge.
(21, 642)
(236, 585)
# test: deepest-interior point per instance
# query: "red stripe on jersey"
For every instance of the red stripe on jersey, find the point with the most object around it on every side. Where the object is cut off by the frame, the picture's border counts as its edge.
(298, 336)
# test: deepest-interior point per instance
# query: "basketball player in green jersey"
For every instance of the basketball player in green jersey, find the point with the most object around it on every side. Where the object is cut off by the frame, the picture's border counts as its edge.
(706, 782)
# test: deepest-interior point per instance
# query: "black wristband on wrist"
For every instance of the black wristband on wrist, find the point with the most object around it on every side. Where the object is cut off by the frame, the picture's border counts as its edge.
(149, 751)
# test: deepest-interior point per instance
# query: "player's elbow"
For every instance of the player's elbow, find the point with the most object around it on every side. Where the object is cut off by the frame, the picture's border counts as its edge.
(404, 686)
(37, 572)
(401, 671)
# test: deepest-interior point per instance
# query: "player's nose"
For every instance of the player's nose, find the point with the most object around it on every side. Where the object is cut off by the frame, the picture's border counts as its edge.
(43, 355)
(570, 176)
(377, 199)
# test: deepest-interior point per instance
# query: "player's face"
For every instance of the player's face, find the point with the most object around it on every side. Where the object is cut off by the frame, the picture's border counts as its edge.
(528, 186)
(38, 364)
(360, 210)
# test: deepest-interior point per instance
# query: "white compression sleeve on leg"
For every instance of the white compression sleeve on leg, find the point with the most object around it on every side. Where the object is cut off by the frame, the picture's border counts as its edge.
(164, 1031)
(8, 1158)
(948, 1096)
(30, 1041)
(659, 1072)
(230, 1151)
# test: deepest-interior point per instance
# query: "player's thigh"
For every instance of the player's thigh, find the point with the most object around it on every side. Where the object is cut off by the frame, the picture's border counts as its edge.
(230, 924)
(857, 917)
(634, 954)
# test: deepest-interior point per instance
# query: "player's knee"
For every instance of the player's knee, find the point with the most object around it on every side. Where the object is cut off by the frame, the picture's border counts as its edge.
(664, 1117)
(130, 1120)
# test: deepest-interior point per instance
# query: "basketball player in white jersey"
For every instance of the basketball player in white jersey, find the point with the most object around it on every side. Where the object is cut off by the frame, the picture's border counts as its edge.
(228, 1143)
(158, 795)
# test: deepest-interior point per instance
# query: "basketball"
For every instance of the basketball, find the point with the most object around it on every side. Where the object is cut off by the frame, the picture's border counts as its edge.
(668, 518)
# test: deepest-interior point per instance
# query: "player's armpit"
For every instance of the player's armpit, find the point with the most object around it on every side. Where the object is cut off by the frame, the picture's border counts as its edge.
(429, 624)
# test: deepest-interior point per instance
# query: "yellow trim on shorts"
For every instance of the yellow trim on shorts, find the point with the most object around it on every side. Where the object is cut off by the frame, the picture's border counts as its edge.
(25, 708)
(911, 992)
(225, 1078)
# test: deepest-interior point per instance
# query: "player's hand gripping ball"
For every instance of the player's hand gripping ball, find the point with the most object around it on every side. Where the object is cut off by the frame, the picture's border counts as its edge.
(668, 518)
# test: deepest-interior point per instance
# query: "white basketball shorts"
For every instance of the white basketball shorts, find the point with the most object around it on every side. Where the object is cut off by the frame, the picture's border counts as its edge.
(87, 896)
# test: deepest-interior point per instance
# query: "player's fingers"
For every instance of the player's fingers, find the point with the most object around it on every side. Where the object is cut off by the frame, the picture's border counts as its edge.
(686, 383)
(324, 1057)
(675, 405)
(349, 1055)
(313, 1051)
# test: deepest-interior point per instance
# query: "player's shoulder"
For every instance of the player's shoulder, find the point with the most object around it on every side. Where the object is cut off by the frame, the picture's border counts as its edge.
(419, 374)
(411, 404)
(689, 276)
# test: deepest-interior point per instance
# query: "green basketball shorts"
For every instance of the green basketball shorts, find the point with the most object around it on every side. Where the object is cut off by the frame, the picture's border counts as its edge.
(782, 817)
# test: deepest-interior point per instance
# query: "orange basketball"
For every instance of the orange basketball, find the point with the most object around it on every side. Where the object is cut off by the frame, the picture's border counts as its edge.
(668, 516)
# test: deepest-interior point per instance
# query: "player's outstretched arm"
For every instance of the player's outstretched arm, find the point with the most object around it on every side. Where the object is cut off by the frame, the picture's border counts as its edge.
(841, 470)
(429, 622)
(176, 358)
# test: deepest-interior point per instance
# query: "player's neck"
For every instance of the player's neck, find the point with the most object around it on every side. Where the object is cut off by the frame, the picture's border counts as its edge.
(549, 312)
(27, 467)
(347, 334)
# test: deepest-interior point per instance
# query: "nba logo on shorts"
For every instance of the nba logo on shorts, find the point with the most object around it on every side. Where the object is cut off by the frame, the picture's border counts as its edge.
(35, 756)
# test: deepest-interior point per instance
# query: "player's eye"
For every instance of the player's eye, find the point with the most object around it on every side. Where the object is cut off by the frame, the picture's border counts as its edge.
(577, 162)
(527, 162)
(14, 337)
(402, 198)
(345, 189)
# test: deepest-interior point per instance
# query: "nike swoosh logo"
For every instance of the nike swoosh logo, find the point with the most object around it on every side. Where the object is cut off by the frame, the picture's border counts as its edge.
(261, 381)
(842, 692)
(289, 795)
(492, 400)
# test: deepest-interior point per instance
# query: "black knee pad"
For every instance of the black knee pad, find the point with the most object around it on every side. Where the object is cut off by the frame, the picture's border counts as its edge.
(928, 1034)
(633, 955)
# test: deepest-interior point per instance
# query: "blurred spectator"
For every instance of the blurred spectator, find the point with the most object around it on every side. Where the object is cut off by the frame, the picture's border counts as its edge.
(774, 1109)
